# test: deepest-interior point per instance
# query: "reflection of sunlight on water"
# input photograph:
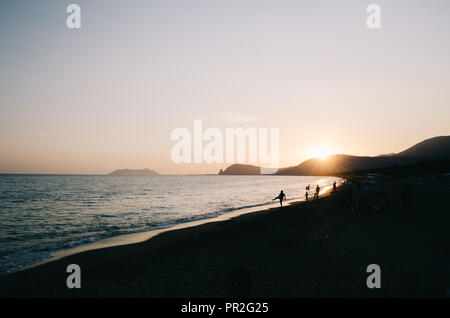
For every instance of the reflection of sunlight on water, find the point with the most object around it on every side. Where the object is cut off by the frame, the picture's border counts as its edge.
(325, 189)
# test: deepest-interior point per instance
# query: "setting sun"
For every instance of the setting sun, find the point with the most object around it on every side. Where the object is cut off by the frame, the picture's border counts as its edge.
(321, 153)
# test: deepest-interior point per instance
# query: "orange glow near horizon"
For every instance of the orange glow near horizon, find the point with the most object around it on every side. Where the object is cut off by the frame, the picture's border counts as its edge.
(321, 152)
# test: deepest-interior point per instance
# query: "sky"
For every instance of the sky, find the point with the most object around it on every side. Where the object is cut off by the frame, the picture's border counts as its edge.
(109, 95)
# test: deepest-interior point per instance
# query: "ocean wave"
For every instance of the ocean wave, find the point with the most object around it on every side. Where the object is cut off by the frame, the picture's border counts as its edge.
(74, 243)
(22, 258)
(118, 215)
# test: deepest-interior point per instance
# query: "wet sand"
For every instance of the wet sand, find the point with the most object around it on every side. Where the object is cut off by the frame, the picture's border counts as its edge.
(314, 249)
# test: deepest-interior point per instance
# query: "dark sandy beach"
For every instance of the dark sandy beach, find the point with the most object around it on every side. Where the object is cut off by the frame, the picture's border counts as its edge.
(315, 249)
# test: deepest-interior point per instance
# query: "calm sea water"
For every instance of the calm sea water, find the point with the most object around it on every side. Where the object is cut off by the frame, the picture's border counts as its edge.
(43, 213)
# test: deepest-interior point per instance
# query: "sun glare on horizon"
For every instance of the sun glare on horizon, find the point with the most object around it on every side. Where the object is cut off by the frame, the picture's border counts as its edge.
(321, 152)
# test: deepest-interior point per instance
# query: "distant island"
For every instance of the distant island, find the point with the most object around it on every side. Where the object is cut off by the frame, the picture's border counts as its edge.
(418, 157)
(134, 172)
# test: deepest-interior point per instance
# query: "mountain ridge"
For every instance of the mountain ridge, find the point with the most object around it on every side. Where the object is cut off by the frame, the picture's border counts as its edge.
(432, 149)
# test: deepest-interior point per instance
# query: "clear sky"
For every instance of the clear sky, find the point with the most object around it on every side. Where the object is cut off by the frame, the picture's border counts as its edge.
(108, 95)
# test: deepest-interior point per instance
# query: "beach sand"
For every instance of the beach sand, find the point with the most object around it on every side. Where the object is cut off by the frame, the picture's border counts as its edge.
(314, 249)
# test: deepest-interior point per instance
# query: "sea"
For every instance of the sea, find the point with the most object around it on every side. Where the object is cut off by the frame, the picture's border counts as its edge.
(41, 214)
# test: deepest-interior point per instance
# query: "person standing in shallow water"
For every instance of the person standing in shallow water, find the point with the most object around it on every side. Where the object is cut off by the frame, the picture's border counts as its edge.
(281, 196)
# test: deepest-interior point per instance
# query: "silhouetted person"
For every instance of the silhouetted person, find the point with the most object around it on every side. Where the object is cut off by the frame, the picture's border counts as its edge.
(281, 196)
(334, 186)
(308, 187)
(306, 196)
(316, 195)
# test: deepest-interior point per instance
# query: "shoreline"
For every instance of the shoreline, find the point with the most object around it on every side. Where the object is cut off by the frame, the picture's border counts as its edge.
(140, 237)
(318, 249)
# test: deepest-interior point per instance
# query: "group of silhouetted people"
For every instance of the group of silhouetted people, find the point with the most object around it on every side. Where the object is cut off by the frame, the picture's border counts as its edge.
(316, 194)
(282, 196)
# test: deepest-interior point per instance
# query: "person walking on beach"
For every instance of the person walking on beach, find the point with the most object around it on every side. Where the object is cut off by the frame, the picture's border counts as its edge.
(281, 196)
(308, 187)
(334, 186)
(306, 196)
(316, 195)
